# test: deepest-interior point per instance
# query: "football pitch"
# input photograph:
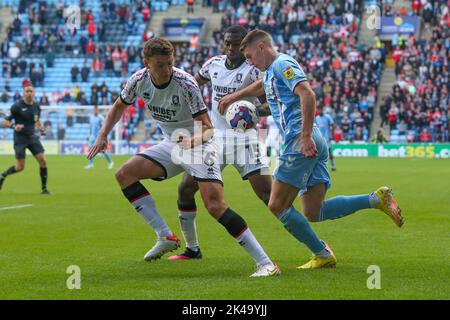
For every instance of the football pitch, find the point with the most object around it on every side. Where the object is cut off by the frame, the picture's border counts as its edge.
(88, 223)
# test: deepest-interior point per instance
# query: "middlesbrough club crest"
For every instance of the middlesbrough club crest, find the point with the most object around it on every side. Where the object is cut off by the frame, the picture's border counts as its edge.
(239, 78)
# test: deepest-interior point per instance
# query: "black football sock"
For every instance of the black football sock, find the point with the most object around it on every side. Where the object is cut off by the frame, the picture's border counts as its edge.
(9, 171)
(43, 172)
(233, 222)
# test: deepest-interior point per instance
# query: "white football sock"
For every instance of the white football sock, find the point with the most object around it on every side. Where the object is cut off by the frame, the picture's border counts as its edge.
(324, 253)
(188, 226)
(146, 208)
(248, 241)
(373, 200)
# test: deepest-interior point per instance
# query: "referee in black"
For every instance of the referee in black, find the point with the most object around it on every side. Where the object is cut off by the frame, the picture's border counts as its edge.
(25, 114)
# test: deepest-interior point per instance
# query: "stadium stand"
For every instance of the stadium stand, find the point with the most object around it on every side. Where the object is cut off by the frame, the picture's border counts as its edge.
(323, 37)
(417, 109)
(72, 67)
(66, 64)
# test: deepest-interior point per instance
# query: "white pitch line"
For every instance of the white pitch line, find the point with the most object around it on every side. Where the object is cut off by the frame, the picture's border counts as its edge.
(16, 207)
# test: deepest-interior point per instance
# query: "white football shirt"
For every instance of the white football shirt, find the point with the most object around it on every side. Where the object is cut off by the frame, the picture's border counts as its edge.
(225, 81)
(172, 106)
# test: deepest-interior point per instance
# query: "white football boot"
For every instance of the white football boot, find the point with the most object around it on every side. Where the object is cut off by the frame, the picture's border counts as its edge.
(162, 246)
(266, 270)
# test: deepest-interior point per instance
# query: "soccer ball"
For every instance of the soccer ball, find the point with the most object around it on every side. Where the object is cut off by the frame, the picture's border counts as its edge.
(241, 116)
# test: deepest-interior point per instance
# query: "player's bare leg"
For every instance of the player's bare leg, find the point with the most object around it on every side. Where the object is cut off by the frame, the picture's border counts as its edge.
(19, 166)
(262, 185)
(43, 172)
(128, 176)
(312, 200)
(187, 211)
(212, 196)
(281, 200)
(282, 197)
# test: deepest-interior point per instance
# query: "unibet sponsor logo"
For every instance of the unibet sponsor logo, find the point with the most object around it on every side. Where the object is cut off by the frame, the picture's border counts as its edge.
(225, 90)
(162, 114)
(221, 91)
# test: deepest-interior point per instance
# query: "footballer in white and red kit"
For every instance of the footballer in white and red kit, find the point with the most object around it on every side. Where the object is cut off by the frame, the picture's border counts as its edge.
(175, 103)
(227, 73)
(173, 106)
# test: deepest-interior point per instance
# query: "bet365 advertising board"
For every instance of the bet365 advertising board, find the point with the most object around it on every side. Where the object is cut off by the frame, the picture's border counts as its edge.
(426, 151)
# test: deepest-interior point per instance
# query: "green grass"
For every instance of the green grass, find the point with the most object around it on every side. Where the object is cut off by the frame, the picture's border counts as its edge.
(87, 222)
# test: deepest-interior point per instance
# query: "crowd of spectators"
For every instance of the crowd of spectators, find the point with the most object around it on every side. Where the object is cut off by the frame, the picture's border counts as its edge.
(321, 34)
(417, 110)
(46, 24)
(20, 67)
(327, 51)
(39, 33)
(45, 28)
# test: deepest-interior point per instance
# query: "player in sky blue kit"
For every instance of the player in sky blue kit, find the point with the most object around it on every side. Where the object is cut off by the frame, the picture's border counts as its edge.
(302, 169)
(95, 122)
(325, 123)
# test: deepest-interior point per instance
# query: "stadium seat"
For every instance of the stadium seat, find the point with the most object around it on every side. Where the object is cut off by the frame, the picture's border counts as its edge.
(394, 138)
(156, 6)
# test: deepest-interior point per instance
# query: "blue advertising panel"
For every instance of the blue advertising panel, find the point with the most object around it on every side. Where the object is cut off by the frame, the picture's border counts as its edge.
(401, 25)
(82, 148)
(182, 27)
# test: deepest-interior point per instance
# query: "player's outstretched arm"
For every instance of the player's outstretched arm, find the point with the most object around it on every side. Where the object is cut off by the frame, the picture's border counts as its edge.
(39, 125)
(15, 127)
(7, 124)
(113, 116)
(308, 105)
(256, 89)
(207, 132)
(207, 129)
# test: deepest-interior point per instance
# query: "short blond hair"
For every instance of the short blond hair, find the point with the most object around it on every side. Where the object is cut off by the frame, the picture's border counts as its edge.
(256, 36)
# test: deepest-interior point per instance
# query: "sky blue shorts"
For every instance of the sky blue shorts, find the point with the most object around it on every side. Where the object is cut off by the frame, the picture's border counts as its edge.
(296, 170)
